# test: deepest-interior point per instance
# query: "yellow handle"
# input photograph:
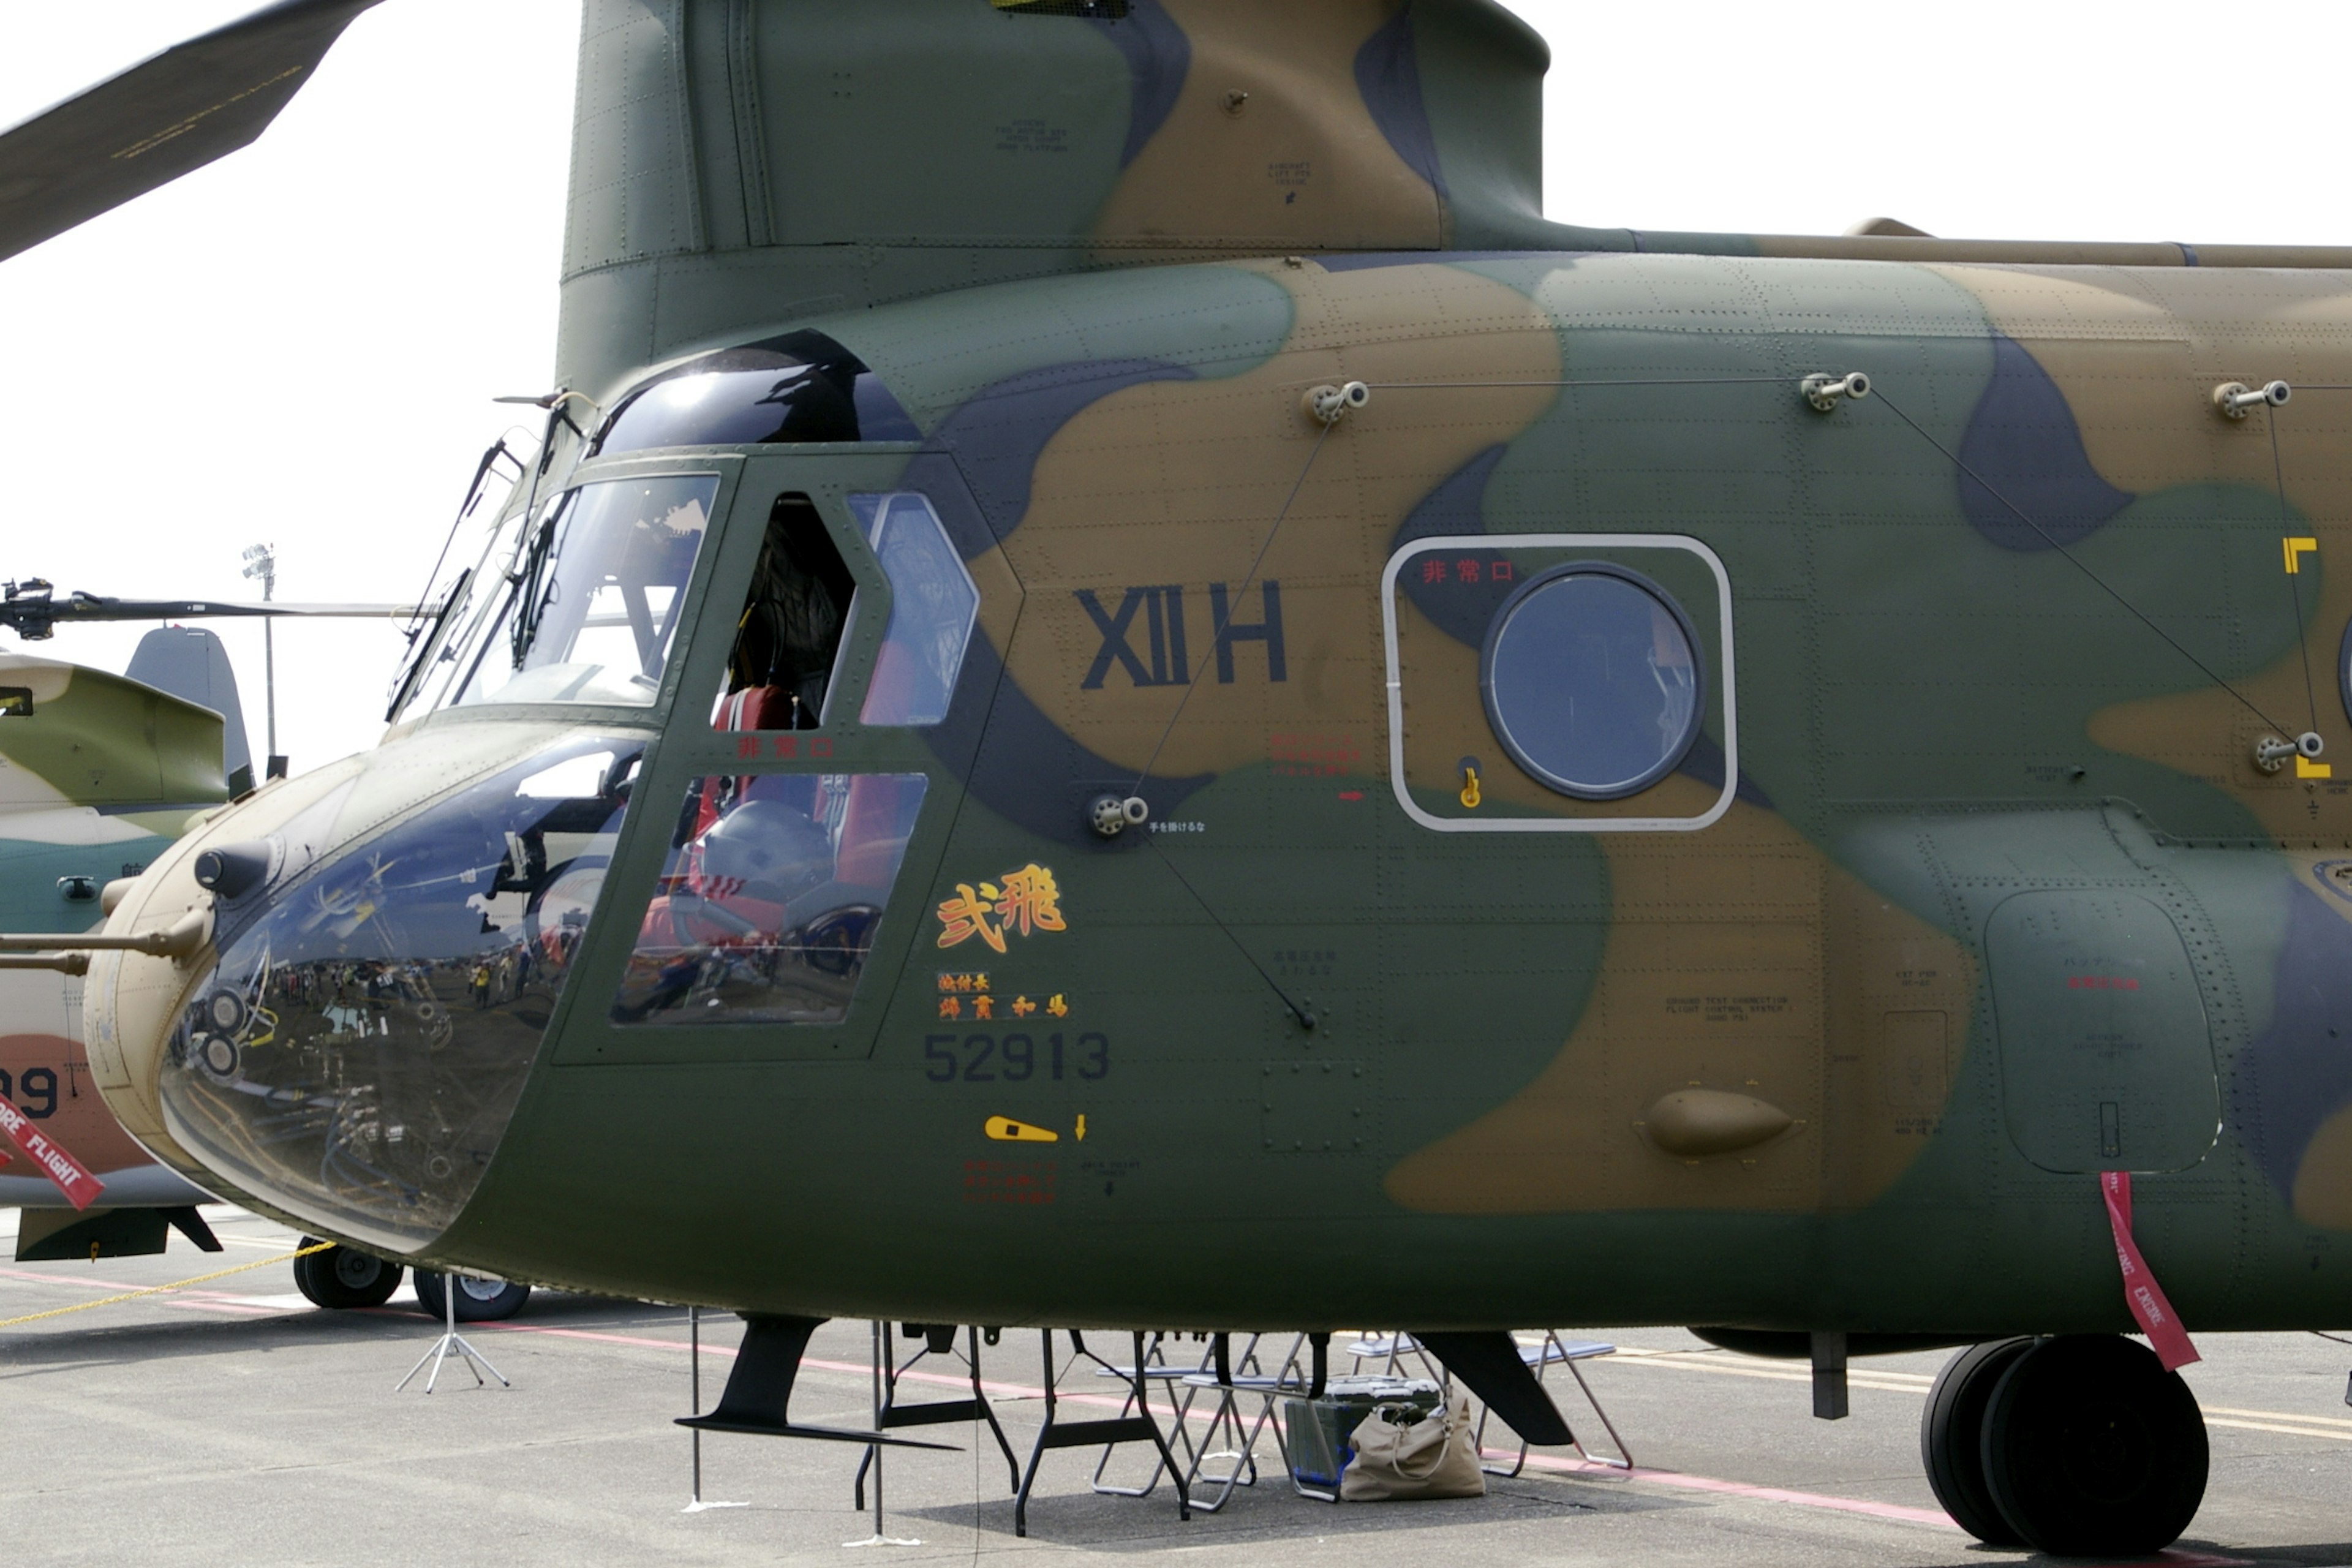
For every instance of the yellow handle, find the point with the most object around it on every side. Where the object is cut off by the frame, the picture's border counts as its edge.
(1470, 796)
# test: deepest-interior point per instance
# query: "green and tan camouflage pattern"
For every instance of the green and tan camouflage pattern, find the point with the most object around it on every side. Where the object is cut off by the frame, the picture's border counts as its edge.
(1938, 713)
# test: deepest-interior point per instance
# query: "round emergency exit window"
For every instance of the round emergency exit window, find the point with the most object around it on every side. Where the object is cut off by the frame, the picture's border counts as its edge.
(1591, 678)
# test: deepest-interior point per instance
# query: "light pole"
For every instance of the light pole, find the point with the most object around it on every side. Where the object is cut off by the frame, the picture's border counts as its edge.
(261, 561)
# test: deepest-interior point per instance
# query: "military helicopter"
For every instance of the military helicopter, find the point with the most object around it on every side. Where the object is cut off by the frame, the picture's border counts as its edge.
(1109, 617)
(98, 772)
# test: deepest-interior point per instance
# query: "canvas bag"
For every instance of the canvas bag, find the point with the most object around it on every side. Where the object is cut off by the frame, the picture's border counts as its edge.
(1433, 1456)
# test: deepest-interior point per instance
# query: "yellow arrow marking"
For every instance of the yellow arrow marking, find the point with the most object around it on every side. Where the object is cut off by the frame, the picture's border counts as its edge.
(1004, 1130)
(2296, 548)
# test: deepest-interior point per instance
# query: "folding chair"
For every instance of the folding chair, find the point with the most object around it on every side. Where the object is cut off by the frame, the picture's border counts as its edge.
(1566, 1352)
(1218, 1376)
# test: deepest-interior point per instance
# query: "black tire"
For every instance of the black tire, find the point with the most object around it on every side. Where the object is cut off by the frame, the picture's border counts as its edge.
(341, 1278)
(1951, 1438)
(2091, 1448)
(479, 1301)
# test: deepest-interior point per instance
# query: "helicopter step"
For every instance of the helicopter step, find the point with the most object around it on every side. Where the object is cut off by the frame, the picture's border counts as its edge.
(2074, 1444)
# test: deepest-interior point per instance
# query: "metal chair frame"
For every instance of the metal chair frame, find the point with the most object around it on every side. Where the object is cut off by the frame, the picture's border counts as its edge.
(1567, 1353)
(1133, 1423)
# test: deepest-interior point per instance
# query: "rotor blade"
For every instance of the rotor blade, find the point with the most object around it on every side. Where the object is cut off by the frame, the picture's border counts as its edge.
(31, 617)
(166, 116)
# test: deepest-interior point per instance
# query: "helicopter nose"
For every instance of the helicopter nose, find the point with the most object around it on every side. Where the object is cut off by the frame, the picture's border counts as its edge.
(390, 939)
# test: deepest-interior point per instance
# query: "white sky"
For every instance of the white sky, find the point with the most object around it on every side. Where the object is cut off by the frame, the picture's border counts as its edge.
(298, 343)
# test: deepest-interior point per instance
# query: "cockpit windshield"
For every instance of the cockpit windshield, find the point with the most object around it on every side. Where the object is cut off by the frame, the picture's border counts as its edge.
(591, 605)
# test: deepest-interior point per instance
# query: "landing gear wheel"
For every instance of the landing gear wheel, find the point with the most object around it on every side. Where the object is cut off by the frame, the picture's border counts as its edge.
(479, 1301)
(340, 1279)
(1951, 1438)
(2091, 1448)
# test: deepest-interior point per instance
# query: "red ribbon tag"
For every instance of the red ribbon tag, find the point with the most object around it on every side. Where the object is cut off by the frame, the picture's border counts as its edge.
(2142, 1294)
(72, 1178)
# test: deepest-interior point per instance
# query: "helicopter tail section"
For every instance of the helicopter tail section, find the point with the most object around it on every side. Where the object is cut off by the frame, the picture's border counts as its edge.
(191, 664)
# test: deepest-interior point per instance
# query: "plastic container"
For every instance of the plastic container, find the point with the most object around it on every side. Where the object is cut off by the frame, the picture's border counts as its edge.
(1319, 1429)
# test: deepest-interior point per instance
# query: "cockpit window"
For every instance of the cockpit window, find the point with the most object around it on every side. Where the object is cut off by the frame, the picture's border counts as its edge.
(594, 601)
(788, 638)
(803, 386)
(357, 1052)
(933, 603)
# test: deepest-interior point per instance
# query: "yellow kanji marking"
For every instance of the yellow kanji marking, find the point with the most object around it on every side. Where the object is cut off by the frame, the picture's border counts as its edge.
(1029, 901)
(1031, 898)
(965, 916)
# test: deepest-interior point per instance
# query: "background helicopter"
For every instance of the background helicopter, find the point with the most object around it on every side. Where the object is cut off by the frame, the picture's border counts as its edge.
(1413, 71)
(96, 774)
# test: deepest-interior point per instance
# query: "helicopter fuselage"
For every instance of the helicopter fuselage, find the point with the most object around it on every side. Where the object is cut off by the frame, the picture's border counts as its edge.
(1793, 953)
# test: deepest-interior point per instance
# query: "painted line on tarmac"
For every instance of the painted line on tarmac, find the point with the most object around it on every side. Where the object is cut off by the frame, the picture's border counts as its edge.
(2326, 1427)
(1006, 1390)
(83, 1281)
(2212, 1420)
(1935, 1518)
(2276, 1415)
(226, 1306)
(1716, 1363)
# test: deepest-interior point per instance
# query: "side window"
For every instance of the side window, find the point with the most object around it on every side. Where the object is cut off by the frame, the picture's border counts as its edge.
(932, 605)
(1590, 680)
(1560, 683)
(769, 902)
(788, 638)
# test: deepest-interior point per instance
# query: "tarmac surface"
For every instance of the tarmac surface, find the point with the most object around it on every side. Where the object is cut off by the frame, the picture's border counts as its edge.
(231, 1422)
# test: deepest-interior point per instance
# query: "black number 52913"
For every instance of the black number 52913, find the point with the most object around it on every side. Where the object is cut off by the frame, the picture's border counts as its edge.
(1015, 1058)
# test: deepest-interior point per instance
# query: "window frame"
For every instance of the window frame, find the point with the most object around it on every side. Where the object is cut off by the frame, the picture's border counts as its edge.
(499, 556)
(1724, 676)
(689, 748)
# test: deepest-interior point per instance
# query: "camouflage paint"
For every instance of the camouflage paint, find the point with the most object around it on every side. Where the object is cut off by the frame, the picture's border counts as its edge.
(1937, 713)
